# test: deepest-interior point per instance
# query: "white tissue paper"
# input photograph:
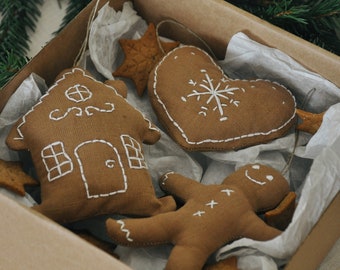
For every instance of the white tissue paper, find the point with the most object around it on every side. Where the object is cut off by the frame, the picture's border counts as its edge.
(18, 104)
(108, 27)
(314, 161)
(246, 58)
(27, 94)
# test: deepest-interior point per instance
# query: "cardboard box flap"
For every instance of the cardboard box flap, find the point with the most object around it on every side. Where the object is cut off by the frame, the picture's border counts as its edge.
(321, 239)
(40, 243)
(43, 243)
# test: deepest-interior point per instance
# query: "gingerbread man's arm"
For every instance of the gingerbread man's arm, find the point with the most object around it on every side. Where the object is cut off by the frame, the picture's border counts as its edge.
(255, 228)
(180, 186)
(142, 231)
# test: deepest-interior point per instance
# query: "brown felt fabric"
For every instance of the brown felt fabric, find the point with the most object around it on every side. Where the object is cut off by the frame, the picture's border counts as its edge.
(86, 144)
(141, 55)
(212, 215)
(204, 110)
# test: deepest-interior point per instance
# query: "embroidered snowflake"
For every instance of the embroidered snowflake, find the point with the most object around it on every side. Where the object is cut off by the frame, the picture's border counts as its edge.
(221, 96)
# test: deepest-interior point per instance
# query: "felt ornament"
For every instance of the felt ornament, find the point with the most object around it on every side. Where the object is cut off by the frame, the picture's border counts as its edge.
(86, 144)
(141, 56)
(212, 215)
(204, 110)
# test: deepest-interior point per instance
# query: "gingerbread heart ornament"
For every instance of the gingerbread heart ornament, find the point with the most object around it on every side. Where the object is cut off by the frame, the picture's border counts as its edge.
(204, 110)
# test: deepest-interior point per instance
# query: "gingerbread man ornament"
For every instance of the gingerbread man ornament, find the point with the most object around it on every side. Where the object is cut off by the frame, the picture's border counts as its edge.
(212, 215)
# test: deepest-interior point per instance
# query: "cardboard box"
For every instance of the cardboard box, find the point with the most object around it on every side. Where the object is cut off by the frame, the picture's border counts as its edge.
(31, 241)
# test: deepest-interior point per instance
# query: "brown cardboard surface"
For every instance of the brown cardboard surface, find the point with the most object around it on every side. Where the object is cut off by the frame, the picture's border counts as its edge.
(321, 239)
(30, 241)
(43, 244)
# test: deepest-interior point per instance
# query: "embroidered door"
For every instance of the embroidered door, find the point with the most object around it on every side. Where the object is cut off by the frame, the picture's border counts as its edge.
(101, 168)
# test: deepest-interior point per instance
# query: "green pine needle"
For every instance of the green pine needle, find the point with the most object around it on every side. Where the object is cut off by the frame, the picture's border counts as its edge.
(10, 64)
(317, 21)
(73, 8)
(18, 18)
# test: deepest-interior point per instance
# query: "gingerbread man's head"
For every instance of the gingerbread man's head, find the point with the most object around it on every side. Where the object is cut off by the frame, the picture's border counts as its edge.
(261, 184)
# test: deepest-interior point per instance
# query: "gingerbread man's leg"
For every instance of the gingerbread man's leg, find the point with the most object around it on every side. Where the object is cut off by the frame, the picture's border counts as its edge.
(255, 228)
(186, 258)
(142, 231)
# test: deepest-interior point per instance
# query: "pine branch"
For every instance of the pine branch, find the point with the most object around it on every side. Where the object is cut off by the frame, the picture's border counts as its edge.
(12, 64)
(317, 21)
(73, 8)
(18, 18)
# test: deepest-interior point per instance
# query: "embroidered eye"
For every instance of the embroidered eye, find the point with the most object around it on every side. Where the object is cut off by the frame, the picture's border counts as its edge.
(270, 177)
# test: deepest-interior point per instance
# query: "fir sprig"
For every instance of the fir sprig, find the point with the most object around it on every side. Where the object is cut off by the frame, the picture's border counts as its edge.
(317, 21)
(18, 18)
(11, 66)
(73, 8)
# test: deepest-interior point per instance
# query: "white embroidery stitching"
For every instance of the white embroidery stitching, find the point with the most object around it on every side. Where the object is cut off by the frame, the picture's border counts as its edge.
(133, 152)
(211, 204)
(227, 191)
(254, 180)
(80, 111)
(109, 163)
(199, 213)
(214, 92)
(21, 136)
(126, 231)
(57, 161)
(187, 139)
(78, 93)
(166, 177)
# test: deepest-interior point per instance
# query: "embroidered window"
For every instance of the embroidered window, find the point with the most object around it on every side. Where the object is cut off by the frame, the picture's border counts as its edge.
(78, 93)
(133, 152)
(56, 161)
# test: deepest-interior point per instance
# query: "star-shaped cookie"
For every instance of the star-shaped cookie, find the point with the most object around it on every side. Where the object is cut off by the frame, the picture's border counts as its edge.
(212, 215)
(13, 178)
(141, 55)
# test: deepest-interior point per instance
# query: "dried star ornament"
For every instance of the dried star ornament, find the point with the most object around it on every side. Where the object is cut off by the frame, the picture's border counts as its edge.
(141, 56)
(13, 178)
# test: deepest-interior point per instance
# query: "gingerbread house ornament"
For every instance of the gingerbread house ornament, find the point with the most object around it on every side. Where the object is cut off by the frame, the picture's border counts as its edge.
(86, 144)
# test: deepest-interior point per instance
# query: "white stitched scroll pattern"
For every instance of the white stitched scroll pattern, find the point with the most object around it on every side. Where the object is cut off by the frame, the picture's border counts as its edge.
(56, 114)
(123, 229)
